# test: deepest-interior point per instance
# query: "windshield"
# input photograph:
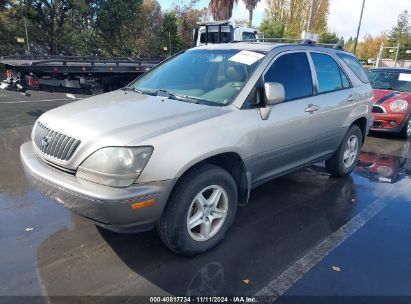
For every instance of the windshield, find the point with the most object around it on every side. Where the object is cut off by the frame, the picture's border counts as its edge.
(205, 76)
(390, 80)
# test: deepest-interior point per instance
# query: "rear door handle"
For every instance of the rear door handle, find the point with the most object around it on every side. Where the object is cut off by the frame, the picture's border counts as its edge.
(312, 108)
(351, 98)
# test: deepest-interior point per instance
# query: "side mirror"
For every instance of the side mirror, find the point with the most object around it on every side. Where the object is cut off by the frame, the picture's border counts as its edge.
(273, 93)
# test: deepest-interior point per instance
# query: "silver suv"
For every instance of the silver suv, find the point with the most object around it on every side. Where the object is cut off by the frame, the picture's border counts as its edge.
(181, 147)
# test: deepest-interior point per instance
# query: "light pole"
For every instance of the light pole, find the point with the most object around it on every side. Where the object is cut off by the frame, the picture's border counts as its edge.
(359, 26)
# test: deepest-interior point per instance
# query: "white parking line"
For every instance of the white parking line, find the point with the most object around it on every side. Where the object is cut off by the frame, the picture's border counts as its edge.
(41, 100)
(285, 280)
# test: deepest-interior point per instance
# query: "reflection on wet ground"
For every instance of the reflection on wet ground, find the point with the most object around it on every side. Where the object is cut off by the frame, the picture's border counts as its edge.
(385, 168)
(65, 254)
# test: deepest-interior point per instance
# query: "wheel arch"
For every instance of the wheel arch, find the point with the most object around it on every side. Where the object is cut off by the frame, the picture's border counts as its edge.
(234, 165)
(362, 124)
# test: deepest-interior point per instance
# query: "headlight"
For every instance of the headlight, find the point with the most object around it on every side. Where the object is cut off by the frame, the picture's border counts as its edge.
(115, 166)
(398, 105)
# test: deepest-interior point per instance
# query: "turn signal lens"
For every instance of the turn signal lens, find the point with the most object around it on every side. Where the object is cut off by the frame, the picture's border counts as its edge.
(143, 204)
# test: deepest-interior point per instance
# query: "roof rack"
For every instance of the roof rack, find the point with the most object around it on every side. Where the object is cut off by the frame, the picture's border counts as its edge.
(336, 46)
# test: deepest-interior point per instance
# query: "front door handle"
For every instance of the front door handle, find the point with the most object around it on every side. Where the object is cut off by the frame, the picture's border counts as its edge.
(312, 108)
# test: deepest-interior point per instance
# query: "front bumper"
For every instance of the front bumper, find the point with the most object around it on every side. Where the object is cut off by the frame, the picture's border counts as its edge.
(106, 206)
(382, 122)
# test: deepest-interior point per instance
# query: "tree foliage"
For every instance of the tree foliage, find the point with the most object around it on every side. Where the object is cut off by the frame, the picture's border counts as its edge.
(97, 27)
(370, 46)
(272, 28)
(293, 16)
(401, 35)
(327, 37)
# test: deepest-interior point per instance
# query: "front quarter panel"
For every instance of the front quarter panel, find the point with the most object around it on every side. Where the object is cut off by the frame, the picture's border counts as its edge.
(177, 151)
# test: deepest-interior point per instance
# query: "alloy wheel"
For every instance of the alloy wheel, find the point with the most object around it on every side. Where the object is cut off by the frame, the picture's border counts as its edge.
(207, 213)
(351, 151)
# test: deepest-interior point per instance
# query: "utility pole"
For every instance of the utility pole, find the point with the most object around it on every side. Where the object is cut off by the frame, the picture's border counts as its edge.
(311, 17)
(359, 26)
(169, 42)
(27, 36)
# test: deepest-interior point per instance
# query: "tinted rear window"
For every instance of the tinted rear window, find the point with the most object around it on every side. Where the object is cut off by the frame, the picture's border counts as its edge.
(328, 73)
(355, 66)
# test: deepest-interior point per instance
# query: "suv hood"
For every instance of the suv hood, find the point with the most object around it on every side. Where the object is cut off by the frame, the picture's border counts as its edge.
(124, 117)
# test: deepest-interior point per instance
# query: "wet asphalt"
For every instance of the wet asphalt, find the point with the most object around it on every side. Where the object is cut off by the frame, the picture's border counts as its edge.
(276, 241)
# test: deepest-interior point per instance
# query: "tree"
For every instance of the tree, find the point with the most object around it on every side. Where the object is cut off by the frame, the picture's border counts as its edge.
(171, 39)
(321, 11)
(48, 18)
(221, 9)
(250, 6)
(400, 34)
(272, 28)
(188, 17)
(113, 24)
(293, 15)
(144, 32)
(10, 29)
(370, 46)
(327, 37)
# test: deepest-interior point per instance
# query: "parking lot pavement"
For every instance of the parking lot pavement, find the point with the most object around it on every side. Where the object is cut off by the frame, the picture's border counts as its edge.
(303, 234)
(19, 110)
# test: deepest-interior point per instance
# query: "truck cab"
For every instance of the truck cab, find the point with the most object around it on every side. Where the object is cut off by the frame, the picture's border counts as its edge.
(221, 32)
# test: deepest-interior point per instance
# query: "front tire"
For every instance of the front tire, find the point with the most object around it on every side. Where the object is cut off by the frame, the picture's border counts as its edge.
(406, 131)
(345, 159)
(200, 210)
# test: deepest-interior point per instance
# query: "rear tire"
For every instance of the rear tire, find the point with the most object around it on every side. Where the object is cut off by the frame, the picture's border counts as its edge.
(193, 222)
(345, 159)
(406, 131)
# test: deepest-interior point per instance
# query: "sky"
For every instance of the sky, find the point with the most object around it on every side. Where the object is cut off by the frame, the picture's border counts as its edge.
(379, 15)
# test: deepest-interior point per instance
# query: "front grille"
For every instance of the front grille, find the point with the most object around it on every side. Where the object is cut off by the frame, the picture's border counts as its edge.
(376, 109)
(53, 143)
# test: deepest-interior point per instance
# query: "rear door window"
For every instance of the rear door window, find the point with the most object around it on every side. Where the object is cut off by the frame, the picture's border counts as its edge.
(330, 76)
(293, 72)
(355, 66)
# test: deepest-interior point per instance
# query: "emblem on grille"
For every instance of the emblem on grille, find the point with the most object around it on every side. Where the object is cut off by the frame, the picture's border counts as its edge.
(45, 141)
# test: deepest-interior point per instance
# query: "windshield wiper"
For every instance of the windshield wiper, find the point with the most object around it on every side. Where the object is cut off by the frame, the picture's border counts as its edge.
(174, 96)
(132, 89)
(171, 95)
